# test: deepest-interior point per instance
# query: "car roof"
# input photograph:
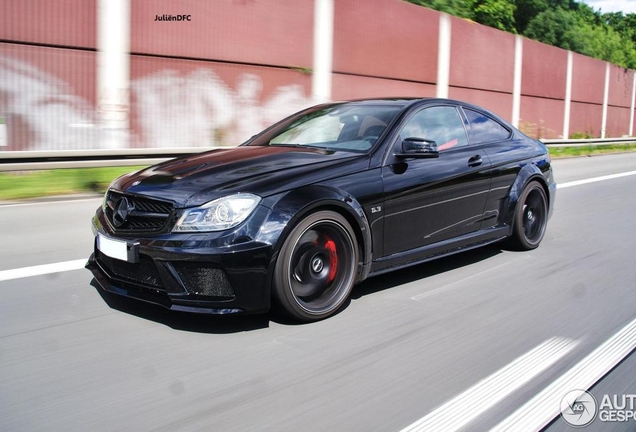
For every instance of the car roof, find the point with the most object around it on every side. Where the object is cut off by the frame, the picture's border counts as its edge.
(402, 101)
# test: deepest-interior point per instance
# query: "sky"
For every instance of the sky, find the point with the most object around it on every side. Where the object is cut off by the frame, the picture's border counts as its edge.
(625, 6)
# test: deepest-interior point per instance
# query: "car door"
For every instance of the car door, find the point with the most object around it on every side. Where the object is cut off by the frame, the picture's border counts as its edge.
(429, 201)
(493, 138)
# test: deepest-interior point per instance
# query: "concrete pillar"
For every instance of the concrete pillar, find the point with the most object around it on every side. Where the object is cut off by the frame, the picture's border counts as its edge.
(516, 86)
(568, 97)
(323, 50)
(605, 100)
(443, 56)
(113, 72)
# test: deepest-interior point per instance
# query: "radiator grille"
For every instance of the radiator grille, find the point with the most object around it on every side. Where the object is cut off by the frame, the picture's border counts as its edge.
(141, 213)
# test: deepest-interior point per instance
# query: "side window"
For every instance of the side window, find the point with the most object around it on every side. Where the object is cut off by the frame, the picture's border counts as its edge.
(484, 129)
(441, 124)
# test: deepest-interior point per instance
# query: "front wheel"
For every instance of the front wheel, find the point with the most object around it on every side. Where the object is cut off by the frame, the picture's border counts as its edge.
(316, 268)
(531, 217)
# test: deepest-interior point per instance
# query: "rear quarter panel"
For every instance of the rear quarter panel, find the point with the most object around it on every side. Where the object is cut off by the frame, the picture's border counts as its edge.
(515, 163)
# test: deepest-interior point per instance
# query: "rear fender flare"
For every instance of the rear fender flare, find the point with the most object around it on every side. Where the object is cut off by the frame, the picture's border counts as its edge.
(527, 174)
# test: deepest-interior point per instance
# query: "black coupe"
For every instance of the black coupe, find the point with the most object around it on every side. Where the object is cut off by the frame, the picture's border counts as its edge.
(322, 200)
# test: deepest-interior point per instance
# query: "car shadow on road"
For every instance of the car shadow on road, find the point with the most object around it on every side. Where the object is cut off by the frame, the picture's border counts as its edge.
(190, 322)
(424, 270)
(223, 324)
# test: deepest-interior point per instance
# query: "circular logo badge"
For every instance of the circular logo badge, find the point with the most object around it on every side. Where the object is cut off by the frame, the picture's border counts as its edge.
(122, 208)
(578, 408)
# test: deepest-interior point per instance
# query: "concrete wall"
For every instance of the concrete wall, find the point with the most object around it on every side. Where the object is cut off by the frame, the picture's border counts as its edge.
(238, 66)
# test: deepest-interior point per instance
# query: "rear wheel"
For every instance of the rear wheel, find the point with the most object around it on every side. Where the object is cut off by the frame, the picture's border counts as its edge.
(531, 217)
(316, 267)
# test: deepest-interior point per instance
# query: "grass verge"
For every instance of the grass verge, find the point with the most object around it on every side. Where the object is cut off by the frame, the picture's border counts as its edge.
(557, 152)
(34, 184)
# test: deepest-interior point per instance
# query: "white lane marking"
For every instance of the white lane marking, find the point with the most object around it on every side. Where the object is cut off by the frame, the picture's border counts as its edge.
(38, 270)
(544, 407)
(595, 179)
(465, 407)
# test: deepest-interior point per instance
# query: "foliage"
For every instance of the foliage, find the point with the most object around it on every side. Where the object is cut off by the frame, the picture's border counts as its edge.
(567, 24)
(499, 14)
(30, 184)
(558, 152)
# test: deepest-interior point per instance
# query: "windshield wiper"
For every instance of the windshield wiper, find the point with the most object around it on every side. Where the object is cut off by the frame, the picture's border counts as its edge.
(301, 146)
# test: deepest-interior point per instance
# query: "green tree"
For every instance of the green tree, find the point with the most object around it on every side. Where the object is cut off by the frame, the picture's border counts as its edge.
(526, 10)
(458, 8)
(552, 26)
(499, 14)
(572, 31)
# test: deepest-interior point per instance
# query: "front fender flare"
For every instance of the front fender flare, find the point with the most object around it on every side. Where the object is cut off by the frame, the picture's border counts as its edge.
(292, 206)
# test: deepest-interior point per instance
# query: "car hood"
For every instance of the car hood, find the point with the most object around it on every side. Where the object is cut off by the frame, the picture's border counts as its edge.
(263, 170)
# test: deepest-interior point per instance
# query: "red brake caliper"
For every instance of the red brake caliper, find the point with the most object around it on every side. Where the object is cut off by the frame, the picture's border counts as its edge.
(330, 245)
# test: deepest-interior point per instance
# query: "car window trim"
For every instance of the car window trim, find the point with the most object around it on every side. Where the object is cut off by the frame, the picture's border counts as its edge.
(470, 141)
(395, 139)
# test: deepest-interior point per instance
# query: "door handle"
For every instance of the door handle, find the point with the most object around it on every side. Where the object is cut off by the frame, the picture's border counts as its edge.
(475, 161)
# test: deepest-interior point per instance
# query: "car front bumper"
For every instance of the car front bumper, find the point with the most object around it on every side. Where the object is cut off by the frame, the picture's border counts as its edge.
(185, 272)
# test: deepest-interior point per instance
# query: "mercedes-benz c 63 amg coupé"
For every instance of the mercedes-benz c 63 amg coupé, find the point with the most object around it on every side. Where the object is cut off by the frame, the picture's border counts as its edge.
(318, 202)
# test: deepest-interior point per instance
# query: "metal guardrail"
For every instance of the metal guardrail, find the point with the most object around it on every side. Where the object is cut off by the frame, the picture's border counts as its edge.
(54, 159)
(587, 142)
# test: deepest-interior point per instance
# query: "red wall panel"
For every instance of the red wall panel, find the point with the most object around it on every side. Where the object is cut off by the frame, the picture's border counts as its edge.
(255, 31)
(544, 70)
(47, 97)
(356, 87)
(588, 79)
(541, 118)
(499, 103)
(70, 23)
(617, 122)
(481, 57)
(621, 82)
(586, 118)
(386, 39)
(186, 103)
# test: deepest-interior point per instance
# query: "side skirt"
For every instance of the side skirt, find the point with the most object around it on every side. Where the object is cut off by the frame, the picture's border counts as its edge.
(438, 250)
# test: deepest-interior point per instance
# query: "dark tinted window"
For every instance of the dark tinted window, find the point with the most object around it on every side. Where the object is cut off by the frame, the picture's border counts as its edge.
(441, 124)
(484, 129)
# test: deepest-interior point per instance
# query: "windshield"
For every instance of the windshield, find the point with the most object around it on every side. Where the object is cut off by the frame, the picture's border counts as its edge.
(348, 127)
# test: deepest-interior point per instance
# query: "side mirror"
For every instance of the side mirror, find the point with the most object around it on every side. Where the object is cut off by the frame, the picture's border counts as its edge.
(418, 148)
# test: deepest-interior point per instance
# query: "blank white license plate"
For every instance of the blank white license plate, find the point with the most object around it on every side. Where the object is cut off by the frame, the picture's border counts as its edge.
(113, 248)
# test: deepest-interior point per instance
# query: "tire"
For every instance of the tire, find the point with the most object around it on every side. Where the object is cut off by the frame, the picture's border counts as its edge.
(531, 218)
(316, 267)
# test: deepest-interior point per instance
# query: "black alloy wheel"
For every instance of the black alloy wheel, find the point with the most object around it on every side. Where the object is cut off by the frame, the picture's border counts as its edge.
(531, 217)
(316, 267)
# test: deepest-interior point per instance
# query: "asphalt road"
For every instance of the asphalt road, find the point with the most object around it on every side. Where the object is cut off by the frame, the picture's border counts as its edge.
(462, 342)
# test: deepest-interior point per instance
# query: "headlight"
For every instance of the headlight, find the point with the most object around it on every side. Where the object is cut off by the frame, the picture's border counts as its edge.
(217, 215)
